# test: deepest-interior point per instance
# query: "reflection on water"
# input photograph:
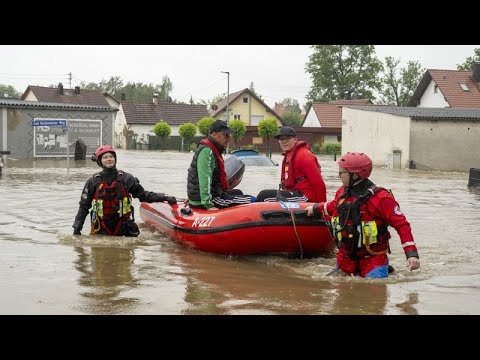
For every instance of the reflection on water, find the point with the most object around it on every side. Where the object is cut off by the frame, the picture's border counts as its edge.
(105, 273)
(46, 270)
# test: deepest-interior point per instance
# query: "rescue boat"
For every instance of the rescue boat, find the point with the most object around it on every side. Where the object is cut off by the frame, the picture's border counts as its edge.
(256, 228)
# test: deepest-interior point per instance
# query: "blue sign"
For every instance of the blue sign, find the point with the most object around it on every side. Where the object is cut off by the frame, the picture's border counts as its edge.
(49, 122)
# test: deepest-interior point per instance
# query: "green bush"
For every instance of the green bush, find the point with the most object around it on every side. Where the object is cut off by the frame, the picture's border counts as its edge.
(331, 148)
(316, 148)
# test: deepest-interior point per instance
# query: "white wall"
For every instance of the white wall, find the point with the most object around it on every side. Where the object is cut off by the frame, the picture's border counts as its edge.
(30, 96)
(311, 120)
(433, 99)
(376, 134)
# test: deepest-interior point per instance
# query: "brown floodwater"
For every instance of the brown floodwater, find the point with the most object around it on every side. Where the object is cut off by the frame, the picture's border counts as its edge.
(44, 269)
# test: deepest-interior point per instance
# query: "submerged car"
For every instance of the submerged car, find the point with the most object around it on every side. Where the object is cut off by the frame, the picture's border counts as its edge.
(253, 158)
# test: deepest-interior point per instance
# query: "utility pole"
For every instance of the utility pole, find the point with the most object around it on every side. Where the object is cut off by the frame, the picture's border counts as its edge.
(70, 78)
(228, 94)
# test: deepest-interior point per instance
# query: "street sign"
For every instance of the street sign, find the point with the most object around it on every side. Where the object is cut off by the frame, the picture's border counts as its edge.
(49, 122)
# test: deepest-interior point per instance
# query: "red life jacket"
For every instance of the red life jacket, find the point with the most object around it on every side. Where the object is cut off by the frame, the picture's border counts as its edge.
(111, 206)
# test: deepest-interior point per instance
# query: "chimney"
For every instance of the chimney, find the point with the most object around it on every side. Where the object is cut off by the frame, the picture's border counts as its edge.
(123, 97)
(155, 99)
(77, 89)
(60, 88)
(476, 71)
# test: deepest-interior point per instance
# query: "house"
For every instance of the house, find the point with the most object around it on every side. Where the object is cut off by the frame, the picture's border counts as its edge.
(76, 96)
(139, 119)
(413, 137)
(244, 105)
(328, 117)
(448, 88)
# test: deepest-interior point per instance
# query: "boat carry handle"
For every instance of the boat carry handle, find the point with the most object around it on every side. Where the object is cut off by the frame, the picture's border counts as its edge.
(283, 214)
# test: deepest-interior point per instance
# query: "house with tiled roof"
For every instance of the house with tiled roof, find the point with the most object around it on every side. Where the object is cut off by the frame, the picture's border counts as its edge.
(329, 116)
(448, 88)
(244, 105)
(77, 96)
(421, 138)
(139, 119)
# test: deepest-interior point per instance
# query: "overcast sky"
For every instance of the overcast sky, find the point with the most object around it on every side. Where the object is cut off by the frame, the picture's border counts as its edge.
(277, 71)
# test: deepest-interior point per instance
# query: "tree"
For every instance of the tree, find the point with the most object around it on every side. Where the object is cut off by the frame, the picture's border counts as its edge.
(239, 129)
(162, 130)
(470, 61)
(339, 69)
(213, 101)
(9, 91)
(252, 89)
(291, 118)
(204, 125)
(396, 89)
(291, 105)
(187, 131)
(268, 128)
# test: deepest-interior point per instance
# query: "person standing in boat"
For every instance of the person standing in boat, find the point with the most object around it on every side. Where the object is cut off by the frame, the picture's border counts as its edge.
(109, 195)
(207, 183)
(301, 179)
(360, 215)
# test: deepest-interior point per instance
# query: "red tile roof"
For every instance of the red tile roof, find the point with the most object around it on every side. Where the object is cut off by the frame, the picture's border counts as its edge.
(85, 97)
(448, 82)
(329, 114)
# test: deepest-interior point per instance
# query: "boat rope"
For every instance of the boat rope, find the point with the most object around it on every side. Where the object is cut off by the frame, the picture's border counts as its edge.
(296, 234)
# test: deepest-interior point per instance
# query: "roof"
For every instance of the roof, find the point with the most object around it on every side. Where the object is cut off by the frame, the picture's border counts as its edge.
(222, 105)
(424, 112)
(329, 114)
(171, 113)
(448, 81)
(16, 103)
(51, 94)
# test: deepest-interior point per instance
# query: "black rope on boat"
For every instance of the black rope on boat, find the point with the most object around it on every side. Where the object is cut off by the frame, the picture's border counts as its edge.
(296, 233)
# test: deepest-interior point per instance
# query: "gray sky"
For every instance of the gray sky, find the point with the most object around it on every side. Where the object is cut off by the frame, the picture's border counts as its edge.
(277, 71)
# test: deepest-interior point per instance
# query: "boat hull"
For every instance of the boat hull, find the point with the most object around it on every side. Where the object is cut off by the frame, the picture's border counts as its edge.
(257, 228)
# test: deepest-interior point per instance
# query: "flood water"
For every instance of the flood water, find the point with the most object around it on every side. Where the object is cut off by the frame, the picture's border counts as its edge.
(44, 269)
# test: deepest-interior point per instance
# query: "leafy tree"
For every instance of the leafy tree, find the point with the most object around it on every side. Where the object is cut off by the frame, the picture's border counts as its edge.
(396, 89)
(187, 131)
(470, 61)
(162, 130)
(213, 101)
(338, 69)
(204, 125)
(9, 91)
(239, 129)
(291, 105)
(252, 89)
(292, 118)
(268, 128)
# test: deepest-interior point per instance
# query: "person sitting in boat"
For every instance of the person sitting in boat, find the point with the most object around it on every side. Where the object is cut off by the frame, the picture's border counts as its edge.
(360, 215)
(301, 179)
(207, 183)
(109, 195)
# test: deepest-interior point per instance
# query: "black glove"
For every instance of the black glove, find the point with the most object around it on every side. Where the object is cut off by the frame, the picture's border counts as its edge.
(170, 199)
(76, 231)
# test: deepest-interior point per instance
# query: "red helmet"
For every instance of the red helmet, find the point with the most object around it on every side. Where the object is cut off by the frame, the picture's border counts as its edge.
(356, 163)
(102, 150)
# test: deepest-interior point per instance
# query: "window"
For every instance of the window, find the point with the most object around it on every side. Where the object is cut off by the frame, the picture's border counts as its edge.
(255, 119)
(435, 89)
(245, 100)
(464, 87)
(236, 117)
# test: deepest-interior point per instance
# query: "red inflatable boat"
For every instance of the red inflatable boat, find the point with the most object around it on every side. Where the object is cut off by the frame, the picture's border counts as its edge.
(257, 228)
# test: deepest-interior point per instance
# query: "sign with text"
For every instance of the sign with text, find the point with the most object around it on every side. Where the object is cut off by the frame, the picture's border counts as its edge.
(50, 136)
(52, 122)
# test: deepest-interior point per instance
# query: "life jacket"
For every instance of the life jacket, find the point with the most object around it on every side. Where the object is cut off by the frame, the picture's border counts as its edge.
(292, 178)
(356, 230)
(111, 206)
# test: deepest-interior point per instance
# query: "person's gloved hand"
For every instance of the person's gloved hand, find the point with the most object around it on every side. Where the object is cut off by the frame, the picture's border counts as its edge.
(253, 198)
(76, 231)
(170, 199)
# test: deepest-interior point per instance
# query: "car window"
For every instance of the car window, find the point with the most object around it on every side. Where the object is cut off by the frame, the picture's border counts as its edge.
(257, 161)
